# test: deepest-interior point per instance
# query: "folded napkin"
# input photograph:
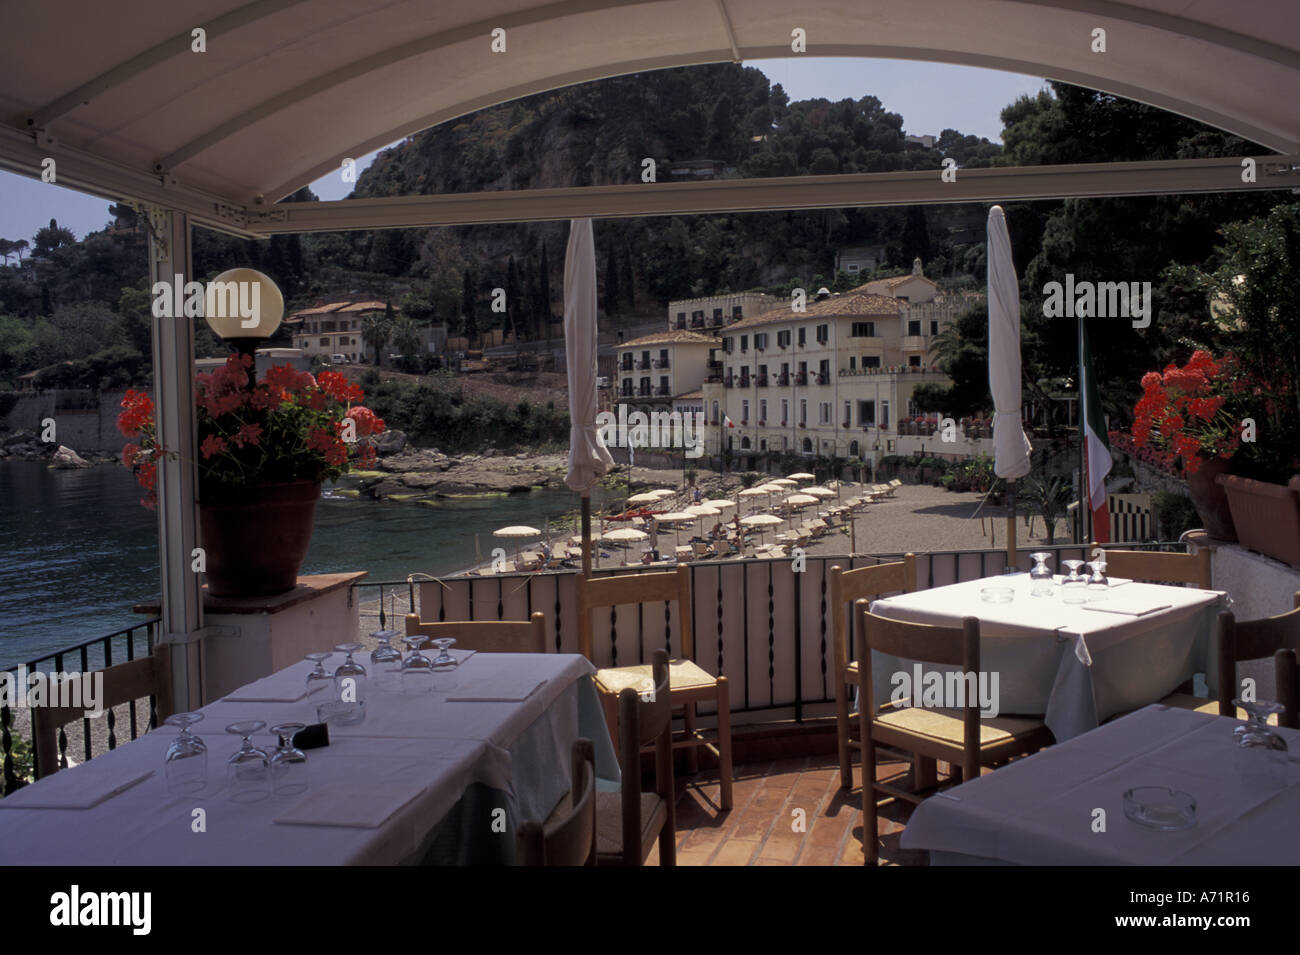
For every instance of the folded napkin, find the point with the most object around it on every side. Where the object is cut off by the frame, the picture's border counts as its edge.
(81, 787)
(349, 805)
(273, 689)
(1133, 607)
(497, 688)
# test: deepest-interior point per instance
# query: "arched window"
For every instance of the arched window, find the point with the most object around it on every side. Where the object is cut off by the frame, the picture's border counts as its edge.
(744, 444)
(853, 449)
(807, 445)
(715, 412)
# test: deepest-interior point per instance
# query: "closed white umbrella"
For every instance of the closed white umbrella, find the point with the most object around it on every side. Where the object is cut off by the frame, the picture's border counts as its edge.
(589, 460)
(1010, 446)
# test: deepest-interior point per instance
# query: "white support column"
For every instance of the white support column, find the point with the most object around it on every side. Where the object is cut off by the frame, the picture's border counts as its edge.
(178, 510)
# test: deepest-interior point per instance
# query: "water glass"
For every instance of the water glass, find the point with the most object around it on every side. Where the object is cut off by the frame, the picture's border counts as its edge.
(444, 667)
(1040, 576)
(417, 669)
(1261, 754)
(187, 757)
(1098, 584)
(319, 677)
(248, 772)
(1074, 588)
(288, 762)
(385, 660)
(350, 683)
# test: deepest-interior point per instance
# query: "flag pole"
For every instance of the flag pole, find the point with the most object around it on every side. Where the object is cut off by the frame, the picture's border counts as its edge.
(1084, 508)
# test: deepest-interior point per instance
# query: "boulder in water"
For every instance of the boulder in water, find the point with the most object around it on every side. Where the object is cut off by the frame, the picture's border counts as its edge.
(67, 458)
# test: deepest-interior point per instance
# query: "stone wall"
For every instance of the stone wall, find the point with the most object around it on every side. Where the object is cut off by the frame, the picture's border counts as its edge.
(86, 430)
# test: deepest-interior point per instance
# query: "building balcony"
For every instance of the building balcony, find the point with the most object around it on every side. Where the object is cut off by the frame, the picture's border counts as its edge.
(728, 382)
(713, 363)
(660, 363)
(823, 378)
(760, 381)
(696, 323)
(783, 378)
(680, 324)
(744, 381)
(801, 378)
(916, 342)
(663, 390)
(643, 364)
(643, 391)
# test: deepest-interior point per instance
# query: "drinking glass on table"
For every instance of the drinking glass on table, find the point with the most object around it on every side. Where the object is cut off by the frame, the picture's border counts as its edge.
(1040, 576)
(1261, 754)
(288, 762)
(385, 659)
(417, 669)
(187, 757)
(444, 666)
(1098, 584)
(1075, 586)
(350, 684)
(319, 677)
(249, 770)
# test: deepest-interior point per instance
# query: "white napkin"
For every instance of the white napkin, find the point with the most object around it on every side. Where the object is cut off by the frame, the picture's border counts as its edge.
(1138, 606)
(350, 805)
(274, 689)
(81, 787)
(497, 688)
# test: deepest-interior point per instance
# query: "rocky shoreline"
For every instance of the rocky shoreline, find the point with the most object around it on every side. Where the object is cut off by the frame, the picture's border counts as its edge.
(28, 446)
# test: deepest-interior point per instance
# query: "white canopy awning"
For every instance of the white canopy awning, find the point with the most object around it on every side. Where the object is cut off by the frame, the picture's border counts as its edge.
(285, 90)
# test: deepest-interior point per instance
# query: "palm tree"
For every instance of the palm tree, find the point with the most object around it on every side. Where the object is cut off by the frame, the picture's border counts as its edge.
(378, 330)
(1051, 499)
(406, 338)
(945, 347)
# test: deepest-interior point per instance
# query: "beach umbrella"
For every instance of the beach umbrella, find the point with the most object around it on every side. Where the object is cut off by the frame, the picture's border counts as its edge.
(752, 493)
(703, 510)
(803, 476)
(760, 521)
(675, 518)
(625, 535)
(784, 482)
(1010, 446)
(802, 500)
(517, 531)
(660, 493)
(649, 497)
(818, 491)
(589, 460)
(720, 503)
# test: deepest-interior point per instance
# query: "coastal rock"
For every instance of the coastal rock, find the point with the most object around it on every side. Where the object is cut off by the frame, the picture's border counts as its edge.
(67, 458)
(390, 442)
(414, 459)
(18, 437)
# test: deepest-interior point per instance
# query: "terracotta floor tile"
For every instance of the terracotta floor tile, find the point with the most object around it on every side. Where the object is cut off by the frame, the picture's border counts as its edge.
(735, 852)
(819, 855)
(694, 856)
(783, 846)
(753, 824)
(826, 832)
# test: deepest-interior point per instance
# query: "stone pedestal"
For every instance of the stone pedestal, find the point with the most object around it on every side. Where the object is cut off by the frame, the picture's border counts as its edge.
(249, 638)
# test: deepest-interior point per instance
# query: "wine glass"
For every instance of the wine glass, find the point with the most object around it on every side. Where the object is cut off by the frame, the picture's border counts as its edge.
(249, 770)
(288, 762)
(417, 669)
(1098, 583)
(1261, 755)
(1073, 566)
(350, 683)
(384, 656)
(319, 677)
(187, 757)
(1041, 575)
(444, 667)
(1074, 588)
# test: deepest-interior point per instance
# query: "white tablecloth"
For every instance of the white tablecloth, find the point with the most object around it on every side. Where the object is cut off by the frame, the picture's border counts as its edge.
(1073, 666)
(423, 747)
(1041, 810)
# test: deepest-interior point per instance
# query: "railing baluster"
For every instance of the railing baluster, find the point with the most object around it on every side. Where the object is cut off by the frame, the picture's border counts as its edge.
(130, 655)
(11, 781)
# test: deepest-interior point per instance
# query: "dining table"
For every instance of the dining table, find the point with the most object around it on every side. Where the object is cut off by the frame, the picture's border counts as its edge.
(1072, 665)
(1066, 804)
(441, 776)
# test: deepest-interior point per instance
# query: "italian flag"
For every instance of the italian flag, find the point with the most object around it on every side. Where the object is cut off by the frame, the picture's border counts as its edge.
(1097, 461)
(728, 422)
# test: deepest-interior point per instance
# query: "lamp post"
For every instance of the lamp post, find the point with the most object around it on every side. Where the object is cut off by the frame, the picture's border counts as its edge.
(244, 307)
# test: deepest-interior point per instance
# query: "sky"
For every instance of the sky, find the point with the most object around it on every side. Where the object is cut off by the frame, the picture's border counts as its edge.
(930, 97)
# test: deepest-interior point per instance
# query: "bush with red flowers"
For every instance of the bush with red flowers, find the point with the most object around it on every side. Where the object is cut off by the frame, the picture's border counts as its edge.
(1192, 414)
(289, 426)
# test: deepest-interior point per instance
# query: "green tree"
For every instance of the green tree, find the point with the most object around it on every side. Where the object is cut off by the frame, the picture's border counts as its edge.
(377, 327)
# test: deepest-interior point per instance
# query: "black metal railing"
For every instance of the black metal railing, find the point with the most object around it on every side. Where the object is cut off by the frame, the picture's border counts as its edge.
(17, 743)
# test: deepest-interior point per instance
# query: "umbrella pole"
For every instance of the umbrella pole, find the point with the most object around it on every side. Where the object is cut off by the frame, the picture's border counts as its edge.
(586, 535)
(1011, 524)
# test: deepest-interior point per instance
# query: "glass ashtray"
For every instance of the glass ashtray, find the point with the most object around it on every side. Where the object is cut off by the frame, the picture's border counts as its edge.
(341, 713)
(1161, 809)
(997, 594)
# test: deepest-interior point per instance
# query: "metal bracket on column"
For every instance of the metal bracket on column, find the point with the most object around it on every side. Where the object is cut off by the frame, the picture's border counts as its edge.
(155, 220)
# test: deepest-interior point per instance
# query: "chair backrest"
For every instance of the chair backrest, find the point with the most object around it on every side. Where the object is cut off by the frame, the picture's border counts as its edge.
(149, 676)
(642, 720)
(623, 589)
(1161, 566)
(1252, 640)
(570, 839)
(850, 586)
(485, 636)
(1286, 676)
(924, 643)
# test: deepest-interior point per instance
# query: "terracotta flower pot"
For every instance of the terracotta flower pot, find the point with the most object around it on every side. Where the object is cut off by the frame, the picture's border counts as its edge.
(256, 542)
(1210, 500)
(1267, 516)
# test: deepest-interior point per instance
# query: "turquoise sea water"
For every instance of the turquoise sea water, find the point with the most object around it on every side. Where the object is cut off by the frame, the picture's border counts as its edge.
(77, 549)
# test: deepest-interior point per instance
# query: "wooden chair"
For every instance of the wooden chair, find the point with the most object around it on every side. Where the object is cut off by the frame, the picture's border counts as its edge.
(690, 683)
(960, 737)
(1238, 641)
(1159, 566)
(568, 838)
(1286, 674)
(630, 820)
(149, 676)
(847, 587)
(485, 636)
